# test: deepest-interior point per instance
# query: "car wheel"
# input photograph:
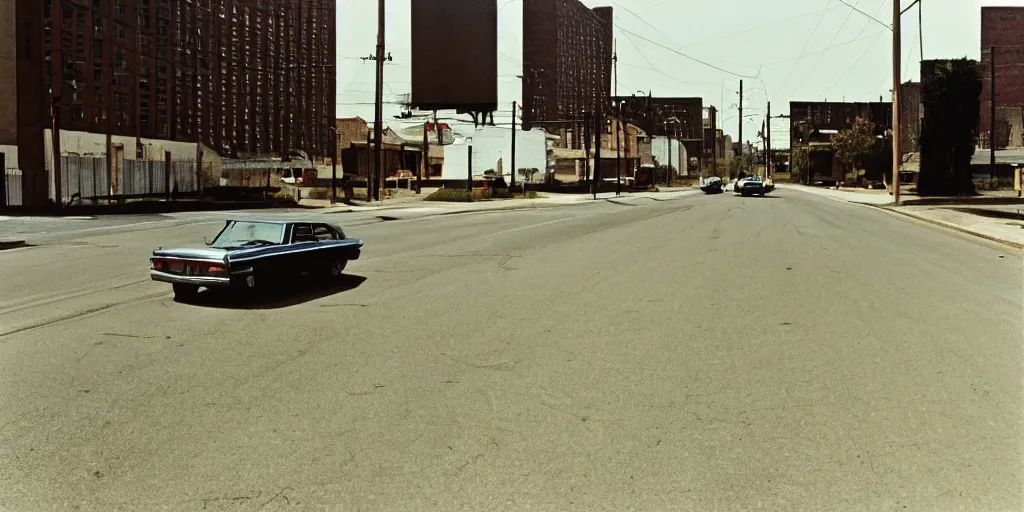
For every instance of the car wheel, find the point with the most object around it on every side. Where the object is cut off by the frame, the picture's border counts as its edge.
(338, 268)
(185, 292)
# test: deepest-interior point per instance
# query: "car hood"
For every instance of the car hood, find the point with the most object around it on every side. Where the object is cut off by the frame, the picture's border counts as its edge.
(206, 253)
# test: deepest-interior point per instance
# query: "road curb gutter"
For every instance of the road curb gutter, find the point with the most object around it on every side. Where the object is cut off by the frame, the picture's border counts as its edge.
(952, 226)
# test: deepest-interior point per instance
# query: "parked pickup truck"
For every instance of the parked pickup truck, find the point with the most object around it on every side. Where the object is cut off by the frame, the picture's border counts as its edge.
(248, 254)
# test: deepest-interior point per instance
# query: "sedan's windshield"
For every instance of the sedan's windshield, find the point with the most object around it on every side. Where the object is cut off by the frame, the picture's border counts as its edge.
(239, 234)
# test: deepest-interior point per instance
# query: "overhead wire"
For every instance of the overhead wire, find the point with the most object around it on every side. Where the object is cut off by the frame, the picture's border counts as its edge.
(867, 50)
(719, 37)
(806, 44)
(677, 52)
(822, 54)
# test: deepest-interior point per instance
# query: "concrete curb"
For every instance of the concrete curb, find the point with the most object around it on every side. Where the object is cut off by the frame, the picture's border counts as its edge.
(952, 226)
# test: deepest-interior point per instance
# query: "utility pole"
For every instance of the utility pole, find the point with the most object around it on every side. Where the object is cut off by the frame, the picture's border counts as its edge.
(618, 148)
(741, 120)
(615, 66)
(515, 105)
(595, 184)
(920, 28)
(334, 167)
(992, 120)
(56, 90)
(424, 158)
(897, 155)
(378, 113)
(618, 124)
(586, 146)
(714, 141)
(768, 138)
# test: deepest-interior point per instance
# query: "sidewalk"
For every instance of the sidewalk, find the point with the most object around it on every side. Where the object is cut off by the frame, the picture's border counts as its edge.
(996, 217)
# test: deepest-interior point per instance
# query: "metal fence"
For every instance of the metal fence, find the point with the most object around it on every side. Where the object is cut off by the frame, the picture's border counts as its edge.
(12, 180)
(85, 176)
(90, 178)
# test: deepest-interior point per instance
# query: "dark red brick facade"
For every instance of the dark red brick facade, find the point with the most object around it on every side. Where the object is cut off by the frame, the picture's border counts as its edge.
(1002, 27)
(241, 76)
(567, 60)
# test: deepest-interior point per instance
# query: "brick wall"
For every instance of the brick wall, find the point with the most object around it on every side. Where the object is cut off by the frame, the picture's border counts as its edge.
(910, 116)
(8, 76)
(1002, 27)
(566, 60)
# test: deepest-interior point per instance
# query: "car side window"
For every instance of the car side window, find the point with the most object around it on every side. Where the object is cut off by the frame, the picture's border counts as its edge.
(303, 233)
(323, 233)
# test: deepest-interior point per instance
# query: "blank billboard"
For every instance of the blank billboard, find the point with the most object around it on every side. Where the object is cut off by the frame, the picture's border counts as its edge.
(455, 55)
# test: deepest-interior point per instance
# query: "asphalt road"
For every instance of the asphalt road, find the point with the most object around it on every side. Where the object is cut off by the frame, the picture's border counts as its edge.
(705, 353)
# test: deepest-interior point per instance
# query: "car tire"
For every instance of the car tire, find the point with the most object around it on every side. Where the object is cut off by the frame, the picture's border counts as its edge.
(185, 292)
(336, 269)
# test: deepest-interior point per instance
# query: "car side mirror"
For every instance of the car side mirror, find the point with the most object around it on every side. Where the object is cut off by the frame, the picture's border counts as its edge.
(207, 241)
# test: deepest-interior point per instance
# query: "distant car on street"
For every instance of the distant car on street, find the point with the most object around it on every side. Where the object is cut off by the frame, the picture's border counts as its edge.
(250, 254)
(750, 186)
(712, 185)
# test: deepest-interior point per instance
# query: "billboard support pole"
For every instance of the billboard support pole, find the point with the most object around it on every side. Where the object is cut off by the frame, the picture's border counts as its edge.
(515, 105)
(424, 159)
(595, 183)
(586, 146)
(469, 172)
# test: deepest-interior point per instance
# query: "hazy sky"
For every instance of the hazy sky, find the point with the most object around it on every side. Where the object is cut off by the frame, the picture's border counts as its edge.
(791, 49)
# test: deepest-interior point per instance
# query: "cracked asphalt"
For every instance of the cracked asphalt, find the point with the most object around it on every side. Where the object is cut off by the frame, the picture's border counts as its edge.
(706, 353)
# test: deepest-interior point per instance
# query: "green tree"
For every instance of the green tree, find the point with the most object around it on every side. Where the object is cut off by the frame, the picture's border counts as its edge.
(853, 144)
(798, 164)
(952, 109)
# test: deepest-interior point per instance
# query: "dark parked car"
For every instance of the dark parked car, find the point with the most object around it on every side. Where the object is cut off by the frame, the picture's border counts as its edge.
(712, 185)
(246, 254)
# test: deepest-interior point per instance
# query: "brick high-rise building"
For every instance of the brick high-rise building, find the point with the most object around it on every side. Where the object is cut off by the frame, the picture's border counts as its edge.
(8, 70)
(567, 60)
(1003, 27)
(240, 76)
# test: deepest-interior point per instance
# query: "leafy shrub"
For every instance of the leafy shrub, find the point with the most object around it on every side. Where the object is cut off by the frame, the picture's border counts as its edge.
(483, 194)
(282, 197)
(453, 195)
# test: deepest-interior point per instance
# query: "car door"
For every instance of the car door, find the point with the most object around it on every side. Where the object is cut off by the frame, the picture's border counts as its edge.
(326, 235)
(303, 256)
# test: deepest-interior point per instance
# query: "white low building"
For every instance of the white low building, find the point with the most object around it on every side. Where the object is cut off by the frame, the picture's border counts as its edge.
(491, 145)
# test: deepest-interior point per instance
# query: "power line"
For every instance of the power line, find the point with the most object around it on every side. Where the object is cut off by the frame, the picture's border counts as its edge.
(866, 14)
(806, 44)
(653, 7)
(815, 52)
(677, 52)
(645, 22)
(829, 47)
(759, 27)
(854, 65)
